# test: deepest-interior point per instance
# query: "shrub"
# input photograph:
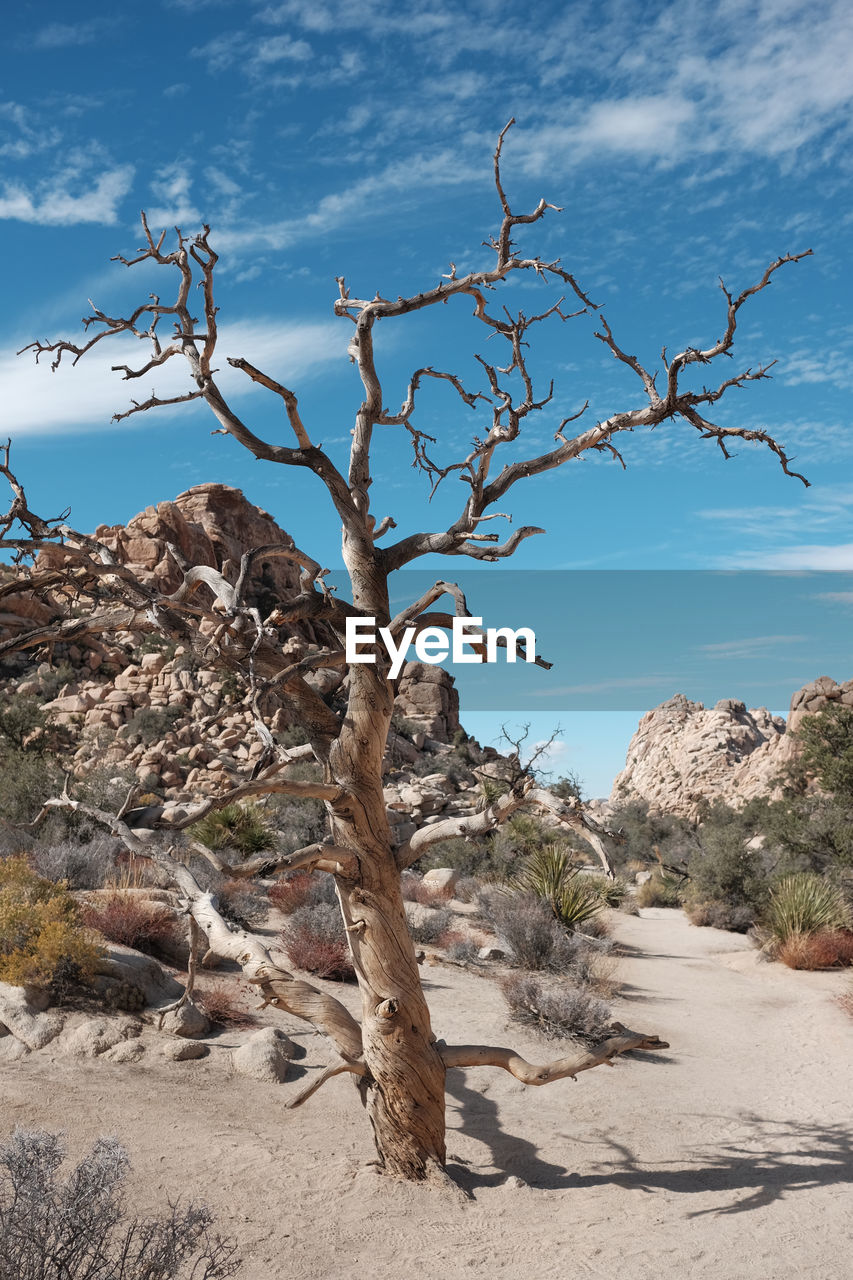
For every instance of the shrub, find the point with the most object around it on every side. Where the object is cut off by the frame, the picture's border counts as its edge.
(725, 870)
(42, 943)
(557, 1011)
(221, 1003)
(828, 949)
(315, 940)
(27, 779)
(721, 915)
(302, 889)
(77, 1227)
(430, 925)
(662, 890)
(550, 874)
(130, 919)
(241, 902)
(462, 950)
(527, 927)
(151, 724)
(81, 866)
(236, 826)
(805, 903)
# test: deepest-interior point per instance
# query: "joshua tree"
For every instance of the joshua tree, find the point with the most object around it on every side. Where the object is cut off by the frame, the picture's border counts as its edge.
(399, 1064)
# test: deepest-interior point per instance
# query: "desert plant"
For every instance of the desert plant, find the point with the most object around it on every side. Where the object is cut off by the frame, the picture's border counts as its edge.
(721, 915)
(550, 874)
(573, 1012)
(301, 889)
(429, 925)
(661, 890)
(315, 940)
(151, 724)
(81, 866)
(132, 920)
(243, 827)
(221, 1002)
(462, 950)
(414, 889)
(78, 1227)
(42, 942)
(241, 902)
(805, 903)
(525, 924)
(826, 949)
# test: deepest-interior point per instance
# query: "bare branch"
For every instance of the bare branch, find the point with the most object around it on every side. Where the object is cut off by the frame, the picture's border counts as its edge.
(478, 1055)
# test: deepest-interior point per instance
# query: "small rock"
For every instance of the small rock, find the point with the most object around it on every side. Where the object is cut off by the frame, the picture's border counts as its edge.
(188, 1021)
(127, 1051)
(512, 1183)
(184, 1050)
(491, 953)
(264, 1056)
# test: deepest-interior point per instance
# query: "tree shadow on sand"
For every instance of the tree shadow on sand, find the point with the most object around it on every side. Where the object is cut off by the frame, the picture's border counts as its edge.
(769, 1160)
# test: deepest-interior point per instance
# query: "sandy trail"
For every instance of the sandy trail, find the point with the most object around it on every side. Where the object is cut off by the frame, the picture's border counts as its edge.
(729, 1156)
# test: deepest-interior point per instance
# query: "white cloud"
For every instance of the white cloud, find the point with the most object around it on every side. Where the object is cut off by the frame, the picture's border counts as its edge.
(62, 35)
(51, 202)
(749, 647)
(805, 556)
(85, 397)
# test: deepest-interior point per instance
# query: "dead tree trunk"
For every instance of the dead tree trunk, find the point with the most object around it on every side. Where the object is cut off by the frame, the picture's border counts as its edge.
(394, 1052)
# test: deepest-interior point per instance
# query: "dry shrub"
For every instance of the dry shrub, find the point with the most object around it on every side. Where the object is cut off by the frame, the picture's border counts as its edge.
(429, 928)
(527, 927)
(132, 921)
(315, 940)
(463, 950)
(828, 949)
(557, 1011)
(662, 890)
(721, 915)
(241, 902)
(221, 1003)
(79, 1227)
(467, 889)
(301, 889)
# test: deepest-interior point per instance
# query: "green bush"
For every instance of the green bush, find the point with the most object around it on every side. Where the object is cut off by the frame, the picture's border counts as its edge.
(804, 904)
(243, 827)
(42, 943)
(550, 874)
(662, 890)
(151, 724)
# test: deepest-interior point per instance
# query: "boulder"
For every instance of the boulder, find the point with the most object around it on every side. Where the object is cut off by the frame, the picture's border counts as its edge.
(184, 1050)
(188, 1021)
(265, 1056)
(23, 1015)
(443, 879)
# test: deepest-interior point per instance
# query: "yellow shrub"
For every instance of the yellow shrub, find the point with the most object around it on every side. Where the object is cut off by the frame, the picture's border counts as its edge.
(42, 943)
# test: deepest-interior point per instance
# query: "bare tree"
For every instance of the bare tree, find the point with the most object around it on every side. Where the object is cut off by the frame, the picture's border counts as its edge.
(399, 1064)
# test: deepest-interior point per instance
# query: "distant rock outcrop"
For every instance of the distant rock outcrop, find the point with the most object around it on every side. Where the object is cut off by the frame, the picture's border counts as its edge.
(685, 755)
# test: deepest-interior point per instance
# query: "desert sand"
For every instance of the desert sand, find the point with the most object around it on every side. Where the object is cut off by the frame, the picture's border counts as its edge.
(730, 1155)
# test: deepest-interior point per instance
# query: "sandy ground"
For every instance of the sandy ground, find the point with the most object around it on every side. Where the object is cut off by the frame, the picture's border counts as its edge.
(731, 1155)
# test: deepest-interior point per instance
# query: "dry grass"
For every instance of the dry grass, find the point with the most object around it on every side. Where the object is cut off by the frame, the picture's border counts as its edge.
(221, 1003)
(829, 949)
(127, 918)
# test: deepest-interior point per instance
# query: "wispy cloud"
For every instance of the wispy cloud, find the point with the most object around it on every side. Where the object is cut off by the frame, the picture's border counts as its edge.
(748, 647)
(85, 397)
(803, 556)
(54, 201)
(63, 35)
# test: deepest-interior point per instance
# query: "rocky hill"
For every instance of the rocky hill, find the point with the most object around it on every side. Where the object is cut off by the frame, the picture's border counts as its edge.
(141, 707)
(685, 754)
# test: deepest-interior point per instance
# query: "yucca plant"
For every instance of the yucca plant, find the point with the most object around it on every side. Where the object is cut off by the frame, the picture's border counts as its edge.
(805, 903)
(552, 876)
(236, 826)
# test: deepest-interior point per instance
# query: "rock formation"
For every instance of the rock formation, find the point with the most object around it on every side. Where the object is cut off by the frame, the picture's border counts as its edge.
(685, 755)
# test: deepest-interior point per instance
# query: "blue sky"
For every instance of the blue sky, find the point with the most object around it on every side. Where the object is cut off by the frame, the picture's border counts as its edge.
(684, 141)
